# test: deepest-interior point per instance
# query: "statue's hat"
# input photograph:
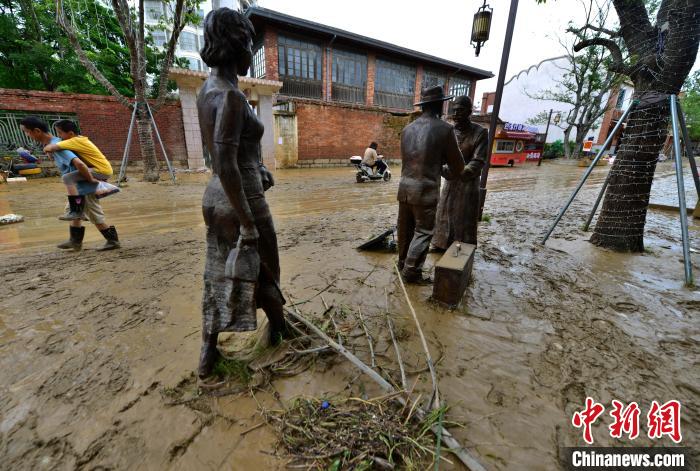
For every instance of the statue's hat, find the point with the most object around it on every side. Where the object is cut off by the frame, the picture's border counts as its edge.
(432, 94)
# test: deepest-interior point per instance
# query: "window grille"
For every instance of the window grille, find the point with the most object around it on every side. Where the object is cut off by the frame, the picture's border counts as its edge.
(433, 79)
(12, 137)
(394, 85)
(299, 65)
(349, 77)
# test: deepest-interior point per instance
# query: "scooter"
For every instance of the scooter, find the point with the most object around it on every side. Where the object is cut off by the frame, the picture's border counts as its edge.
(365, 172)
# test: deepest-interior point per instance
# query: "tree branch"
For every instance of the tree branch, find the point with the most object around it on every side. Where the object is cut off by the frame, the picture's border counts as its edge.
(66, 26)
(618, 64)
(178, 25)
(609, 32)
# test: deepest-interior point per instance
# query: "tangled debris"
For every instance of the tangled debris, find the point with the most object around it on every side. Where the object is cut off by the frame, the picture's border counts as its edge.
(353, 433)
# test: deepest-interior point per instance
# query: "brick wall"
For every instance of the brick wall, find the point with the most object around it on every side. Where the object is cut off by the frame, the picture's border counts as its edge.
(271, 57)
(333, 131)
(104, 120)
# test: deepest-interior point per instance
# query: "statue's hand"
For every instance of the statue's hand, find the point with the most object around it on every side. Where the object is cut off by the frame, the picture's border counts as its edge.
(249, 235)
(468, 173)
(446, 174)
(268, 180)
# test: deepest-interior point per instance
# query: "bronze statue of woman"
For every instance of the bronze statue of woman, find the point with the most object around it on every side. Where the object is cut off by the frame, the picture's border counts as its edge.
(242, 269)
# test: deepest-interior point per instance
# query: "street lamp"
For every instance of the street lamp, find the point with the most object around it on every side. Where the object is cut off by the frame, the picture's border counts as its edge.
(481, 27)
(499, 93)
(557, 118)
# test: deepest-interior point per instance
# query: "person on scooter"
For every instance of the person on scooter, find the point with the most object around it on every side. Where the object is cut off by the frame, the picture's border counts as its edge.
(372, 160)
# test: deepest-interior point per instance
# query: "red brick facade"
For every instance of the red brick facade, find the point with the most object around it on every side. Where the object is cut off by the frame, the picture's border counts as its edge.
(104, 120)
(333, 131)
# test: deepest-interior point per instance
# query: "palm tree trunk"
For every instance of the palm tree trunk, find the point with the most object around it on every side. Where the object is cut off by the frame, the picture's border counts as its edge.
(620, 225)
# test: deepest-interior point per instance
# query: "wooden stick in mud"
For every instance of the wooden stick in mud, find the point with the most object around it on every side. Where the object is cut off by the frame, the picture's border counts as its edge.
(435, 399)
(369, 338)
(390, 323)
(469, 461)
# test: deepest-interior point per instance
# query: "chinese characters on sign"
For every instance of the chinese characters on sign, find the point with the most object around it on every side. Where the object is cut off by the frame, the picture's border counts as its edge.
(520, 127)
(662, 419)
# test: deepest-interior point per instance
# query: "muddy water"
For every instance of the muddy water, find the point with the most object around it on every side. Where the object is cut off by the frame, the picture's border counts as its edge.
(89, 341)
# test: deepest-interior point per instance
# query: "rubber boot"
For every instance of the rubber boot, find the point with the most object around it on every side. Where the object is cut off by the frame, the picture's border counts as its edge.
(76, 204)
(110, 234)
(76, 239)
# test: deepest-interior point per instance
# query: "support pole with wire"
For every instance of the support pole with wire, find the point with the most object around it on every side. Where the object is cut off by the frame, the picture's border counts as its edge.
(125, 158)
(689, 150)
(590, 169)
(162, 147)
(678, 158)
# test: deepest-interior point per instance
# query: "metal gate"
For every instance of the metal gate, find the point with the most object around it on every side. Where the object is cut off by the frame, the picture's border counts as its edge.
(286, 151)
(12, 137)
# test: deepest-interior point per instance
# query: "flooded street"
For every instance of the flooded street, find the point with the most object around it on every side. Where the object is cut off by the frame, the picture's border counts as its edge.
(92, 342)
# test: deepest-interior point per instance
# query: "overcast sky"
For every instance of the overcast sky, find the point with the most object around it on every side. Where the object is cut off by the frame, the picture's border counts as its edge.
(443, 27)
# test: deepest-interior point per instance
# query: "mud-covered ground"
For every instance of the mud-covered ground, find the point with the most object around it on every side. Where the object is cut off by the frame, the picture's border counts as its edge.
(92, 344)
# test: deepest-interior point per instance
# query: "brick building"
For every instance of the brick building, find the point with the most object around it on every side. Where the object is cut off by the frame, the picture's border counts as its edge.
(341, 90)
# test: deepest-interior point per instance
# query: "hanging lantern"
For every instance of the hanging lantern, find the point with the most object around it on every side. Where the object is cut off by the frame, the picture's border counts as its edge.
(557, 118)
(481, 26)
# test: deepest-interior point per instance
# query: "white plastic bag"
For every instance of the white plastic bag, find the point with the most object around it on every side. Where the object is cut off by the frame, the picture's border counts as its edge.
(105, 189)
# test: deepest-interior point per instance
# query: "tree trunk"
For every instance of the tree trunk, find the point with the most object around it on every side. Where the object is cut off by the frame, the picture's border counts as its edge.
(620, 225)
(567, 148)
(148, 149)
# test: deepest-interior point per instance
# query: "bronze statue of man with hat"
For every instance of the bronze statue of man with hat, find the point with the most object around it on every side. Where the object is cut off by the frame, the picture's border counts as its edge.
(427, 144)
(458, 210)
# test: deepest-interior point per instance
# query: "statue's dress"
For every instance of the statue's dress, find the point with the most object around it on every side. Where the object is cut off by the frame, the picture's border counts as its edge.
(229, 119)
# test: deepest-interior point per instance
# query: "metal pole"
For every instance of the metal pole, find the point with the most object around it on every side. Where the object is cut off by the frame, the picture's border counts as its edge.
(544, 144)
(589, 170)
(125, 158)
(162, 147)
(689, 150)
(597, 202)
(681, 191)
(497, 101)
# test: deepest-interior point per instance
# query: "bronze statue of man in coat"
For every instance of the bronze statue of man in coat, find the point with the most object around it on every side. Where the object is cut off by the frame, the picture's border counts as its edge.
(458, 210)
(427, 144)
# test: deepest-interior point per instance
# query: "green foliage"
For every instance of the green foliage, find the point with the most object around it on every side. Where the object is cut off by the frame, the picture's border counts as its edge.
(553, 150)
(36, 55)
(690, 101)
(232, 369)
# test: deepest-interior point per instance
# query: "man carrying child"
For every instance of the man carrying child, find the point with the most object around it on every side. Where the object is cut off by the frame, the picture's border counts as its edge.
(81, 178)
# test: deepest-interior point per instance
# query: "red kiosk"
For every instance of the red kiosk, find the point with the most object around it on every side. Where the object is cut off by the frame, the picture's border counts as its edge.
(515, 144)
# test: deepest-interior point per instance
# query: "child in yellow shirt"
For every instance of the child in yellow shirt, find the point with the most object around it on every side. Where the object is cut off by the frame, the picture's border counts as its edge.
(99, 168)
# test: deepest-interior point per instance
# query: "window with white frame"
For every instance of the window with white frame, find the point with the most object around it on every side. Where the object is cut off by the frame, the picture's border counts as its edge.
(154, 10)
(257, 68)
(194, 64)
(160, 38)
(505, 147)
(188, 41)
(620, 99)
(459, 86)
